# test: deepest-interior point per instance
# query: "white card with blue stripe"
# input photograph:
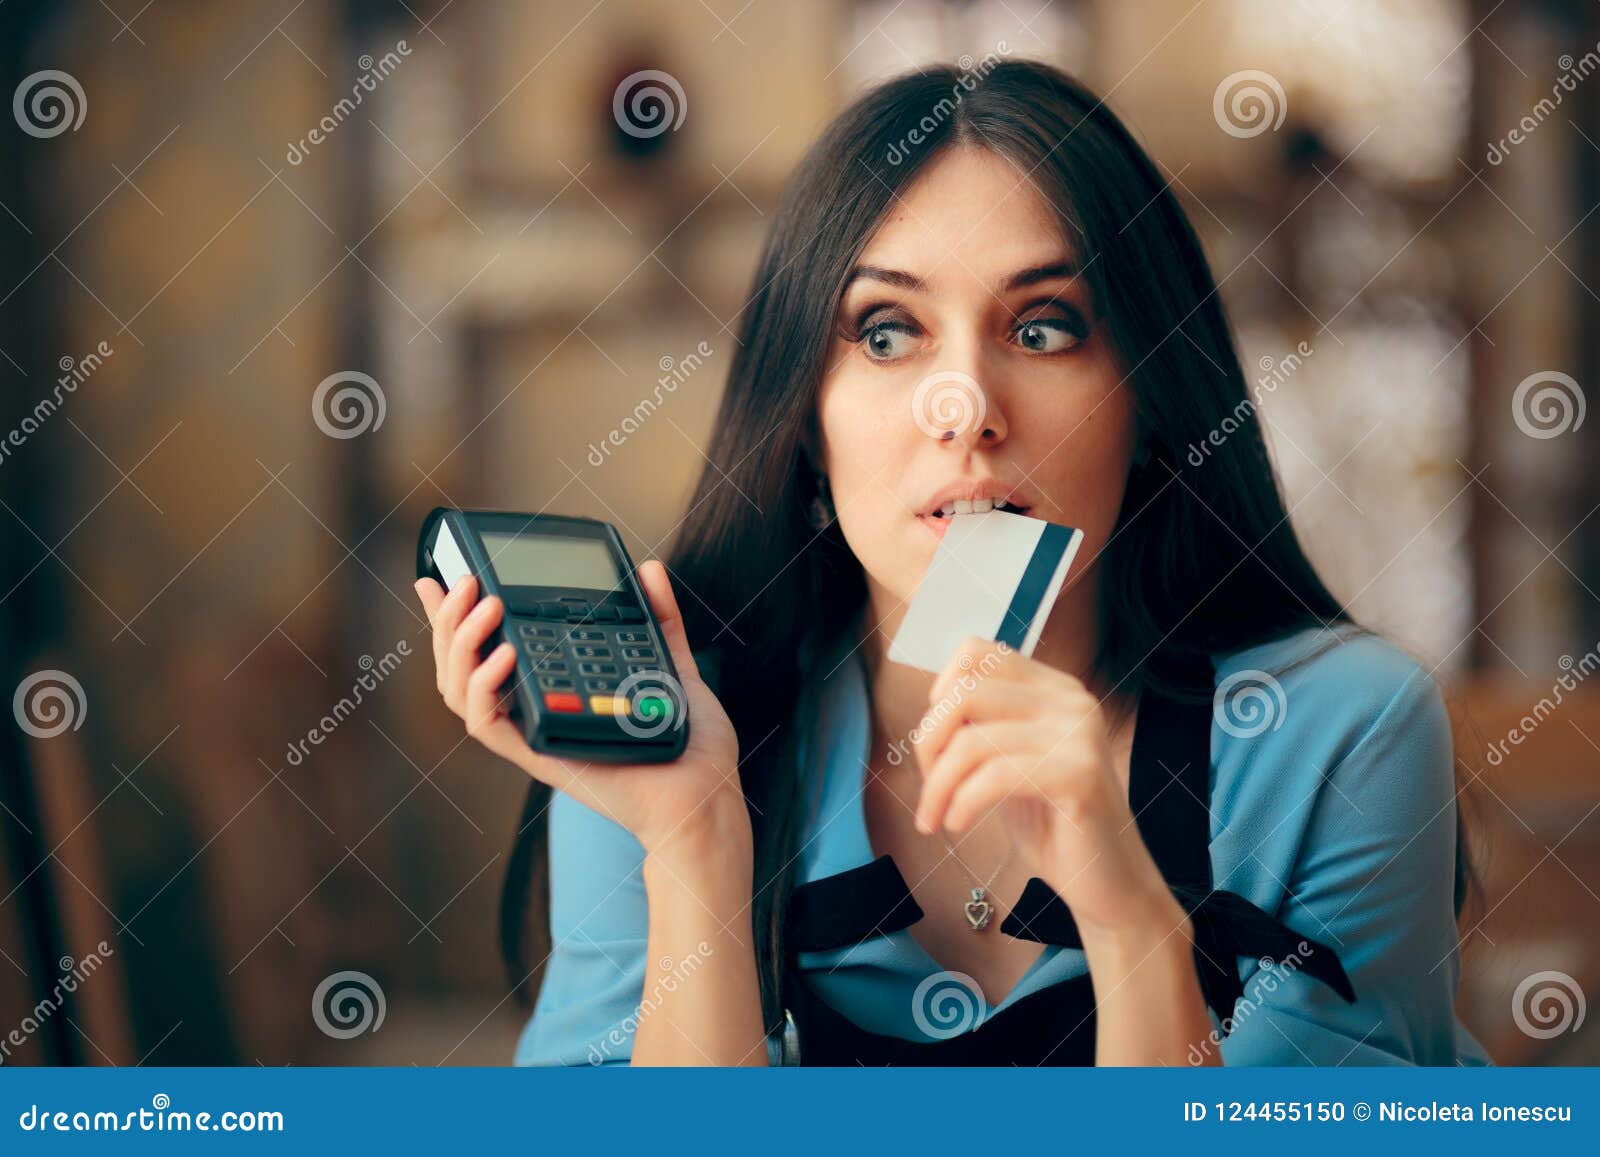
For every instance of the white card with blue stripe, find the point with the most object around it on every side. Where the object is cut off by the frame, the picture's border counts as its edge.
(995, 575)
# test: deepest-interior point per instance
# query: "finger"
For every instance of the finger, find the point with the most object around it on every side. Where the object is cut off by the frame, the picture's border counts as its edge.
(504, 738)
(431, 594)
(484, 702)
(972, 699)
(973, 745)
(464, 646)
(488, 719)
(976, 657)
(989, 785)
(447, 618)
(658, 589)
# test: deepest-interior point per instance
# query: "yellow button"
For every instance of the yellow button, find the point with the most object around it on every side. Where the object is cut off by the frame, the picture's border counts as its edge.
(608, 705)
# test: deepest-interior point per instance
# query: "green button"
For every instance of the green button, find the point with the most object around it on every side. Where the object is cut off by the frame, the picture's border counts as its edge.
(652, 707)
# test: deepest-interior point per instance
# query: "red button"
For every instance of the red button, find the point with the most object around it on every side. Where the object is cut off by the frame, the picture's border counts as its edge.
(562, 701)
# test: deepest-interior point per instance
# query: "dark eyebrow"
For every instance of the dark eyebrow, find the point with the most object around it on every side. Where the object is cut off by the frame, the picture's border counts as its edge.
(893, 277)
(1064, 268)
(902, 280)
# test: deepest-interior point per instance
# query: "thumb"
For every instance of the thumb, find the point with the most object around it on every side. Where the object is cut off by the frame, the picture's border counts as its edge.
(658, 588)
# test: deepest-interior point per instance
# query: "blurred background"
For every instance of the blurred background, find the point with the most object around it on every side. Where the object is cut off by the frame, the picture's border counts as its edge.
(277, 277)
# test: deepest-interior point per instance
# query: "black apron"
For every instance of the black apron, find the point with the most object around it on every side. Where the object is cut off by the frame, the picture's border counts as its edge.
(1169, 791)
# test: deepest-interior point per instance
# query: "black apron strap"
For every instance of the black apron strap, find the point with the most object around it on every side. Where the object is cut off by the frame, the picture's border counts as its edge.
(1169, 790)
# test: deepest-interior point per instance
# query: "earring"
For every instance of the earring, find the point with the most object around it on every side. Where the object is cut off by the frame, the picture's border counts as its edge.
(820, 512)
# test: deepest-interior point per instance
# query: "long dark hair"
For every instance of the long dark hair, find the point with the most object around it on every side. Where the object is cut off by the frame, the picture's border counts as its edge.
(1204, 560)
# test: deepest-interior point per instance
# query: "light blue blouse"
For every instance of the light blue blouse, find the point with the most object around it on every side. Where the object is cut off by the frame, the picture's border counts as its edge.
(1333, 809)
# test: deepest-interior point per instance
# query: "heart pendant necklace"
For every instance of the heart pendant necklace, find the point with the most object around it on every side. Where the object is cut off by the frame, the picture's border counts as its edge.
(978, 911)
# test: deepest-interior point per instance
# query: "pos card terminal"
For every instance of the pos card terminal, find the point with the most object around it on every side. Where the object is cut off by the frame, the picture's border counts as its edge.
(593, 679)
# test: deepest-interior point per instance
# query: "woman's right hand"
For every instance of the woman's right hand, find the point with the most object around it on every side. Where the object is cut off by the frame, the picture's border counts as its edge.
(697, 794)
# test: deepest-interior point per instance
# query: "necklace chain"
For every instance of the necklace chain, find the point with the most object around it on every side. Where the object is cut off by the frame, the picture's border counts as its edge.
(978, 911)
(993, 876)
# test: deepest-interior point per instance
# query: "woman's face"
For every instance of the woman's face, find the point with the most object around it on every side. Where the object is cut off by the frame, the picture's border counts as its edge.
(967, 361)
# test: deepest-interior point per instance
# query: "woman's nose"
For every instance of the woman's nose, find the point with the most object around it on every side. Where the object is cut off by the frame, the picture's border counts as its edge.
(950, 405)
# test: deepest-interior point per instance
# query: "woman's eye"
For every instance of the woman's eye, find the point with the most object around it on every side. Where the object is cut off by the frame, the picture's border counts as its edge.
(1049, 335)
(887, 341)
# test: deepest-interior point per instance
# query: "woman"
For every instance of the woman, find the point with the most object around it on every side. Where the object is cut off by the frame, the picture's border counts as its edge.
(1095, 854)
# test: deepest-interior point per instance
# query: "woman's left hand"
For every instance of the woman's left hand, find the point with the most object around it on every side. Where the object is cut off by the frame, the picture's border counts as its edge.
(1007, 731)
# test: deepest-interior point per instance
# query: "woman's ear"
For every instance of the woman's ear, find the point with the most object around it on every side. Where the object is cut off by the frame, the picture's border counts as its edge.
(819, 507)
(811, 450)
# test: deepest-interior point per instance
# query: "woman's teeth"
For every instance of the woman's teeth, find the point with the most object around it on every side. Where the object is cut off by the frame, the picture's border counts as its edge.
(975, 506)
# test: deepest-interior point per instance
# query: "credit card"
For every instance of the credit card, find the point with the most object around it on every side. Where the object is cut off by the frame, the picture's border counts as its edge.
(995, 575)
(448, 558)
